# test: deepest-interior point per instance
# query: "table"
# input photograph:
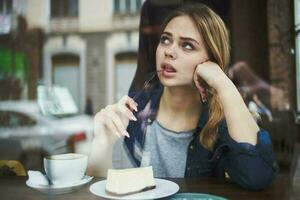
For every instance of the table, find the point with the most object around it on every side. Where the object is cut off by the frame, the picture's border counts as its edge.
(14, 188)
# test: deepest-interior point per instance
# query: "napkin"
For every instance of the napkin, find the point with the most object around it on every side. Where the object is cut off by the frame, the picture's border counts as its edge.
(37, 178)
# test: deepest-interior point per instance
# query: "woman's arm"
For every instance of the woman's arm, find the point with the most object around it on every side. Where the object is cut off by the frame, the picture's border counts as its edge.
(249, 160)
(241, 125)
(100, 158)
(109, 125)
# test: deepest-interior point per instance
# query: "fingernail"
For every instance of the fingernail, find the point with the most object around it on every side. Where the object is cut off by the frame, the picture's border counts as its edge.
(134, 118)
(135, 108)
(126, 134)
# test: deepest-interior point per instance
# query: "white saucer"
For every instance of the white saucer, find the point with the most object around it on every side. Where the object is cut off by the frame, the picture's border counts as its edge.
(59, 189)
(164, 188)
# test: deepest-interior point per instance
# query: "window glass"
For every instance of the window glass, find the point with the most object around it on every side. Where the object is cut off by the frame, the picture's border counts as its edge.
(128, 5)
(1, 6)
(15, 119)
(117, 6)
(124, 72)
(9, 6)
(138, 4)
(64, 8)
(73, 8)
(6, 6)
(96, 55)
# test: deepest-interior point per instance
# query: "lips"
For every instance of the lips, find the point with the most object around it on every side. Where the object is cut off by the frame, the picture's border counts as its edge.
(168, 71)
(168, 68)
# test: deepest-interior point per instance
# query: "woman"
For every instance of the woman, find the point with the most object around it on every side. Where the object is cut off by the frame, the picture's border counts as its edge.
(196, 124)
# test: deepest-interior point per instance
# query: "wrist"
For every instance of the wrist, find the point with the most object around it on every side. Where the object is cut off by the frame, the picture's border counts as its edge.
(227, 91)
(222, 84)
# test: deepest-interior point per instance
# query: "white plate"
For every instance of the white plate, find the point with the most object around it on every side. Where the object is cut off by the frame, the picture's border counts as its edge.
(59, 189)
(163, 189)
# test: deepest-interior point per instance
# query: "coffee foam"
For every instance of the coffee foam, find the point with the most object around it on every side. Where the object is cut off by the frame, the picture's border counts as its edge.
(69, 156)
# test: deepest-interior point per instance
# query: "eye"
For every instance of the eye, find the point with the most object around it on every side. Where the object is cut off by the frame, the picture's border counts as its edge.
(187, 46)
(164, 40)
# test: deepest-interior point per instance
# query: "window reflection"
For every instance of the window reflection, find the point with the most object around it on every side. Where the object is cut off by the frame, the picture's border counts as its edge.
(125, 68)
(97, 52)
(10, 119)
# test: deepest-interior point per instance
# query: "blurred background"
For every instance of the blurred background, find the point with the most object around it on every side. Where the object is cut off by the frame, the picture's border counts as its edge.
(61, 61)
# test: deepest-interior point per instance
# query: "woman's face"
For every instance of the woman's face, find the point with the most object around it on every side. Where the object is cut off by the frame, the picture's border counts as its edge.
(179, 51)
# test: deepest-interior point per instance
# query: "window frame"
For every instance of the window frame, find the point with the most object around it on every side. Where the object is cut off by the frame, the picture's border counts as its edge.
(66, 13)
(297, 56)
(123, 9)
(6, 10)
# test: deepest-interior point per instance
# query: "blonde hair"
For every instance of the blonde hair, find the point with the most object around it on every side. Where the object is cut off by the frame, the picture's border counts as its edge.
(216, 40)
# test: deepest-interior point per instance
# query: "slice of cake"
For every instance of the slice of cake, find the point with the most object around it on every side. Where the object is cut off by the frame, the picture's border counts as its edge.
(129, 181)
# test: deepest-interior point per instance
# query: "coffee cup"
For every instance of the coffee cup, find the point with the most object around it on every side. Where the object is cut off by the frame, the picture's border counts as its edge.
(65, 169)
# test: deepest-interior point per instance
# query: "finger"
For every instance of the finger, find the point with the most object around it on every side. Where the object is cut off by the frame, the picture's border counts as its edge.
(126, 100)
(202, 92)
(201, 89)
(197, 84)
(118, 123)
(132, 104)
(108, 123)
(127, 112)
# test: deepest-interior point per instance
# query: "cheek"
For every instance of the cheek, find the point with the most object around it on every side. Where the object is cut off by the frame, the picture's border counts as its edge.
(193, 60)
(191, 64)
(158, 54)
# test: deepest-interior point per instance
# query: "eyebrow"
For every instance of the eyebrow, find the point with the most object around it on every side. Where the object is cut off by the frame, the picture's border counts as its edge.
(183, 38)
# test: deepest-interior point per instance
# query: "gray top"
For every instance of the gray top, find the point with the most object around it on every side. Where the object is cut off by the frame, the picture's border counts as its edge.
(167, 150)
(164, 150)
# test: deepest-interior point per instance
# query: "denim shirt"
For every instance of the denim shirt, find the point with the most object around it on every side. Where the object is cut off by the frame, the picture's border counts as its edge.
(252, 167)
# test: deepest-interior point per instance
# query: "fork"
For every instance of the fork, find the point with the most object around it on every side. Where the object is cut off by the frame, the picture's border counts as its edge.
(146, 84)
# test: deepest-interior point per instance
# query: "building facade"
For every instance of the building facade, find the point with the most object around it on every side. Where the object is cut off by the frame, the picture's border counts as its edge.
(90, 46)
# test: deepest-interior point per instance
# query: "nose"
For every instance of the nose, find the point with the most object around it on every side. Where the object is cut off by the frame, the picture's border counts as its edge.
(170, 52)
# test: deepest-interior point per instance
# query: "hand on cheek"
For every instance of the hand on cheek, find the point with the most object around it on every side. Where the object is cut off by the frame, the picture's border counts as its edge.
(201, 88)
(208, 73)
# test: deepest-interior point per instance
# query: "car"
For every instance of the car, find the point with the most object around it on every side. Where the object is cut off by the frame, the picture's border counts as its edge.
(22, 124)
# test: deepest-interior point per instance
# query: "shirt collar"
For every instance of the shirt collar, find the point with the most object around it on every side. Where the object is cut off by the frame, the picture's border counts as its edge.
(155, 99)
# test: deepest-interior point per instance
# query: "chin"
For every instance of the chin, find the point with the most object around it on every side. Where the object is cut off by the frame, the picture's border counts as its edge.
(174, 83)
(168, 82)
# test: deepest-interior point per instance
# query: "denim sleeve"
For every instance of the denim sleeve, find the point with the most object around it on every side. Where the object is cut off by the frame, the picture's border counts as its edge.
(251, 166)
